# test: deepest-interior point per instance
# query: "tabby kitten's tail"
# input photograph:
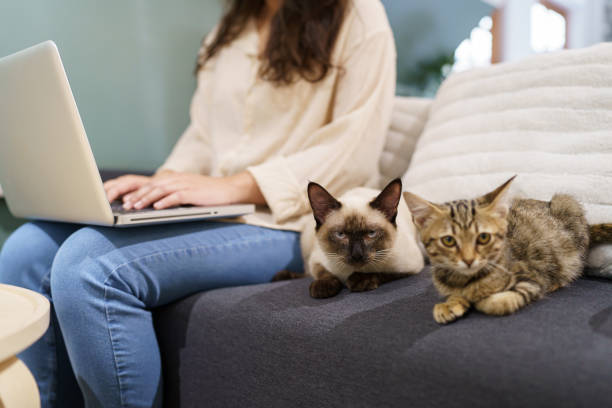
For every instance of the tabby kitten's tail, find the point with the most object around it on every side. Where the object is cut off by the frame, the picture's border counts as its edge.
(600, 233)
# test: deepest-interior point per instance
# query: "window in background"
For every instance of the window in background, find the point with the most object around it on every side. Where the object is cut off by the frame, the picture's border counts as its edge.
(427, 34)
(475, 51)
(548, 28)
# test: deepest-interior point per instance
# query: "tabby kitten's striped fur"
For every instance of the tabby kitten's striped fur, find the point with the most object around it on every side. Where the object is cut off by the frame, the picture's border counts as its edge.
(499, 258)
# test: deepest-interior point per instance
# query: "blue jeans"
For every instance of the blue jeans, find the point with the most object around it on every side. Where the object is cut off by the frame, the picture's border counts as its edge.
(102, 284)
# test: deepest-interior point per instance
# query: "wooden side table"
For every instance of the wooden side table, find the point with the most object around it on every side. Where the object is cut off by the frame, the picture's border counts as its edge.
(24, 318)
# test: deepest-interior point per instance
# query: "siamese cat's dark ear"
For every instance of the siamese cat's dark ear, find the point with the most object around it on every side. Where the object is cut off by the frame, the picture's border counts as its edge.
(421, 209)
(321, 202)
(388, 200)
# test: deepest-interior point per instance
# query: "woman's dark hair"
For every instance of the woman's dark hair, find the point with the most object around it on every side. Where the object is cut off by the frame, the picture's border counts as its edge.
(302, 37)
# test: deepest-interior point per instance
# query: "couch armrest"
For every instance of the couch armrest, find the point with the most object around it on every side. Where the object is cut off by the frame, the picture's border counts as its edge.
(407, 122)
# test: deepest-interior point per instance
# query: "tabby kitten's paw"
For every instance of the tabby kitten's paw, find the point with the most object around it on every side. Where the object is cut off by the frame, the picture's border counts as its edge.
(325, 288)
(502, 303)
(451, 310)
(361, 282)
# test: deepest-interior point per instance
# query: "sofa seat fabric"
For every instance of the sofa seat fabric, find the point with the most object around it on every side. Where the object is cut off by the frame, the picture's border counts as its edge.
(272, 345)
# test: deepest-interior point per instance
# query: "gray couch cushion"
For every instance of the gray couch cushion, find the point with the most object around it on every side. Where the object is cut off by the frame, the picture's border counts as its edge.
(273, 346)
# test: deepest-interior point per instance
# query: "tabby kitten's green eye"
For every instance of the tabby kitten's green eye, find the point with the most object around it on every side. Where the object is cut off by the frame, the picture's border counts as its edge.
(448, 241)
(483, 238)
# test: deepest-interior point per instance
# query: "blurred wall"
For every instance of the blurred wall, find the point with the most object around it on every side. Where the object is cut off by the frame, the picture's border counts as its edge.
(130, 65)
(130, 62)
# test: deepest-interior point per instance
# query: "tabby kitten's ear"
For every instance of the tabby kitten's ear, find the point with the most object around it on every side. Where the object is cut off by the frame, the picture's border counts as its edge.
(421, 209)
(497, 200)
(388, 199)
(321, 202)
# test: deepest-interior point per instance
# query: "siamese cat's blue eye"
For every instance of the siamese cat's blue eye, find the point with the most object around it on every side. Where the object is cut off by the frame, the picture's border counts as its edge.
(339, 234)
(372, 234)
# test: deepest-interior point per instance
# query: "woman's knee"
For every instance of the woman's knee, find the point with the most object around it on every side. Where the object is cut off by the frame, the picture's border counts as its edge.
(79, 266)
(27, 254)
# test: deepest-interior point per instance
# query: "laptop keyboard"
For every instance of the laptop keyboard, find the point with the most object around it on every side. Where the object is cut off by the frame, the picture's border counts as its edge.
(117, 208)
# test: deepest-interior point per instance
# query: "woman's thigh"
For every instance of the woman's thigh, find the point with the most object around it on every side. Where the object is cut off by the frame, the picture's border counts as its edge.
(105, 281)
(162, 263)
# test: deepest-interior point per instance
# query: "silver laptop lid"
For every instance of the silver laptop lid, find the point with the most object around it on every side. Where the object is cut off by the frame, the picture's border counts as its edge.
(47, 169)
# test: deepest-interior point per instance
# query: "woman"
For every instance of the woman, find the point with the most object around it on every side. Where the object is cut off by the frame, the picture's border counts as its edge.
(288, 91)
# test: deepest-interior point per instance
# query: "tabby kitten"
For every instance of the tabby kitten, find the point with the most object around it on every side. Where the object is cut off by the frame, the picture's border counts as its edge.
(498, 257)
(360, 240)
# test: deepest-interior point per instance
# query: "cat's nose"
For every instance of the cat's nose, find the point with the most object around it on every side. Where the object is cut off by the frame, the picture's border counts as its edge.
(468, 262)
(357, 253)
(357, 258)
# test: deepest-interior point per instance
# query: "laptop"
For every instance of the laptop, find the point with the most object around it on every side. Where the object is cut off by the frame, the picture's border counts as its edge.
(47, 168)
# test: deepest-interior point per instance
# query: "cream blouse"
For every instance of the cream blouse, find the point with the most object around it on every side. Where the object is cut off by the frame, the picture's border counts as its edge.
(331, 132)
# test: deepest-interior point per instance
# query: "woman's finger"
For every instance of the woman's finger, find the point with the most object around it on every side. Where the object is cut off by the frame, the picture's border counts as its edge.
(172, 200)
(152, 196)
(135, 196)
(129, 178)
(129, 197)
(115, 192)
(130, 200)
(109, 183)
(121, 187)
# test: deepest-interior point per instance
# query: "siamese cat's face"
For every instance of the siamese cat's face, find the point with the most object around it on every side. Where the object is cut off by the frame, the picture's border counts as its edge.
(355, 233)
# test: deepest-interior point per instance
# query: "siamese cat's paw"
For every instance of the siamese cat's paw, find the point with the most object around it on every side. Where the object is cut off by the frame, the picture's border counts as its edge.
(361, 282)
(325, 288)
(286, 275)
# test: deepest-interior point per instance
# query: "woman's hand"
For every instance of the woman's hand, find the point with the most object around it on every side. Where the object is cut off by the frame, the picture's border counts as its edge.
(172, 189)
(120, 186)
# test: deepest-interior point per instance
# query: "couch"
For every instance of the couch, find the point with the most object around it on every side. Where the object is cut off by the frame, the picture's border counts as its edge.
(271, 345)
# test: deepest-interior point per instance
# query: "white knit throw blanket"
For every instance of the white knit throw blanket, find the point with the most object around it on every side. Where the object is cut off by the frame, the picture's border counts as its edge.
(547, 119)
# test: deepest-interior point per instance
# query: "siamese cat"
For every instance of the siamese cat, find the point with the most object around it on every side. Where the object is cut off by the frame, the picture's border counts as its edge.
(360, 240)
